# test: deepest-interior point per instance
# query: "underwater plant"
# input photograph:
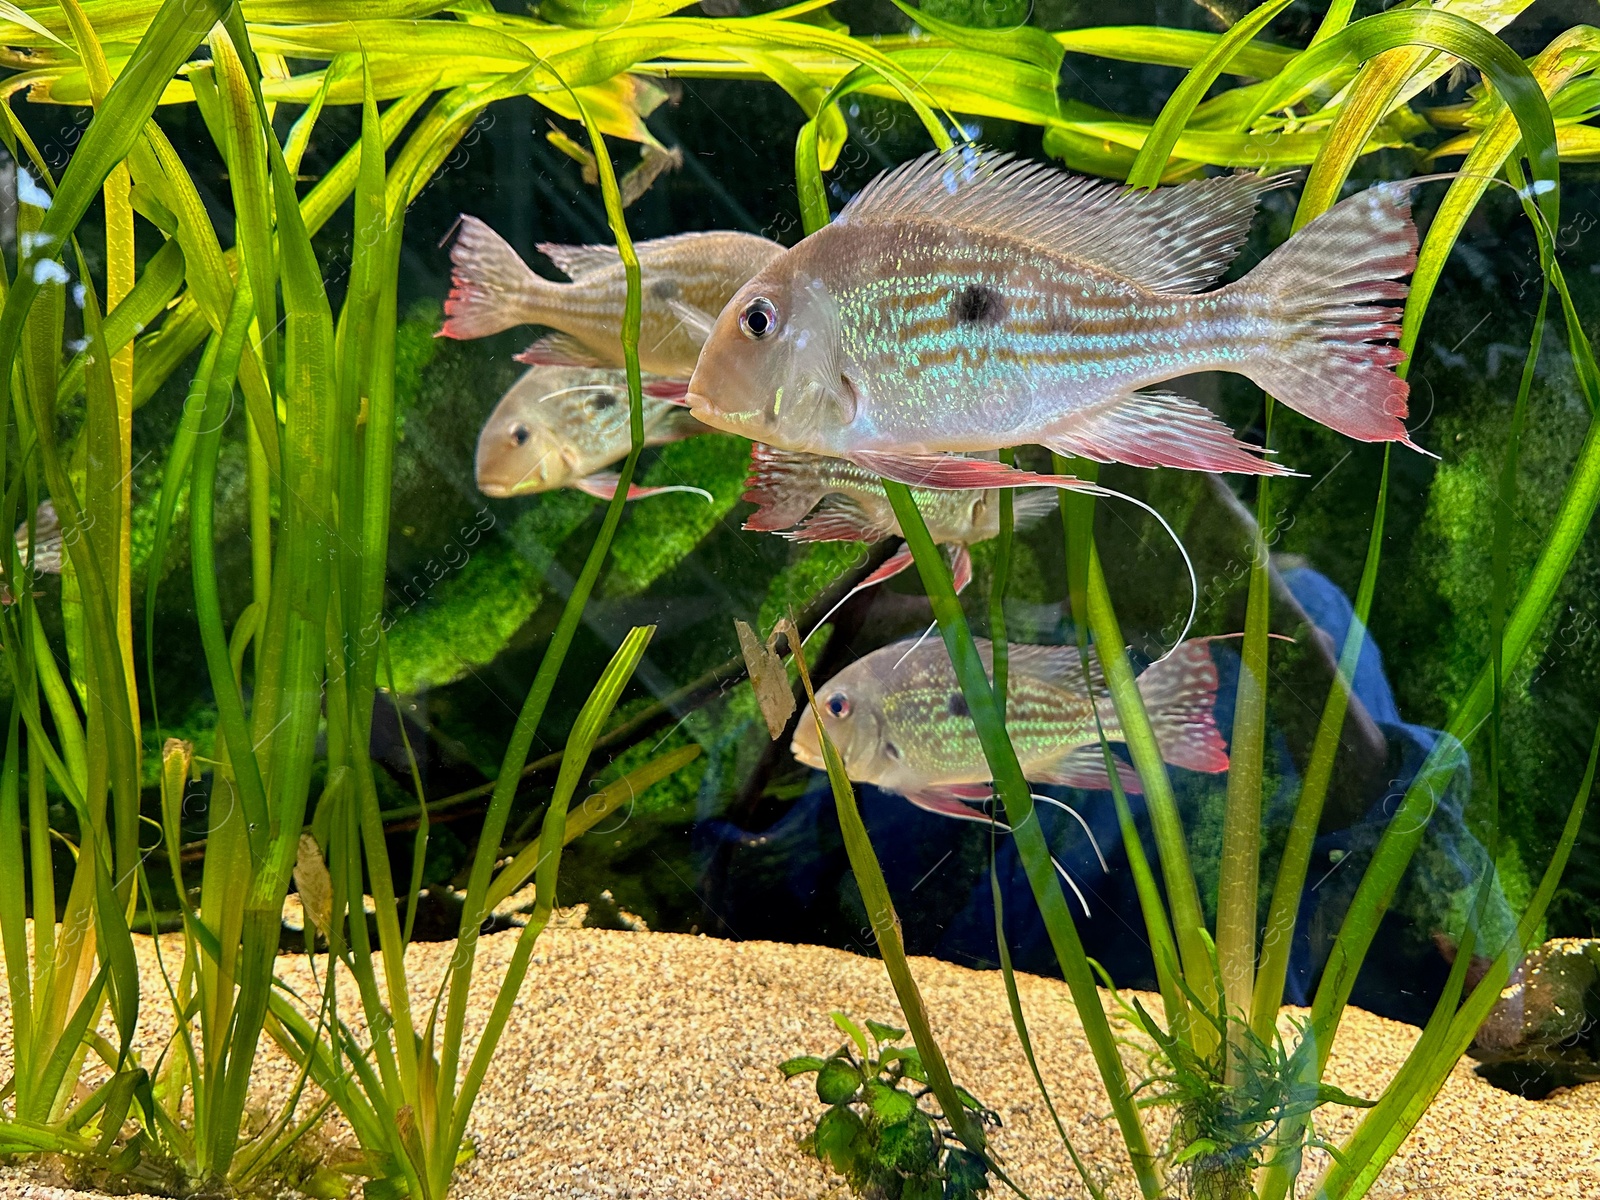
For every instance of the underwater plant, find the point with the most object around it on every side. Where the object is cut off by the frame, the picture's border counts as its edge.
(875, 1132)
(1247, 993)
(294, 665)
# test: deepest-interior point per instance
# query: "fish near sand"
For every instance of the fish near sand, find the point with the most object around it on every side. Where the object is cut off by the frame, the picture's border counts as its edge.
(562, 426)
(687, 279)
(811, 498)
(900, 722)
(970, 301)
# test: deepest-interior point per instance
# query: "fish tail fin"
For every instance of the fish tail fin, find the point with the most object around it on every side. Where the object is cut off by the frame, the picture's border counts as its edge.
(1180, 692)
(780, 487)
(491, 288)
(1329, 355)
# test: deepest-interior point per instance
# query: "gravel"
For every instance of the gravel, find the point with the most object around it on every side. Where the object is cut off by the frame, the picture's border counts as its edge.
(643, 1065)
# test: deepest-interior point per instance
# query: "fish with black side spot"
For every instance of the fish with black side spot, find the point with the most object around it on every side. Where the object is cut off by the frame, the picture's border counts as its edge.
(686, 280)
(900, 721)
(970, 301)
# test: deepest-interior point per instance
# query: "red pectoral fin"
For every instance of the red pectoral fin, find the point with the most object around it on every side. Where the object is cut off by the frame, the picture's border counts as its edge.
(952, 472)
(888, 569)
(604, 486)
(961, 569)
(949, 801)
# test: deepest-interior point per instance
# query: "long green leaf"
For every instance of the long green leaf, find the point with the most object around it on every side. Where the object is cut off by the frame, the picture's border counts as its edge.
(886, 923)
(1026, 830)
(1152, 159)
(1387, 1125)
(591, 719)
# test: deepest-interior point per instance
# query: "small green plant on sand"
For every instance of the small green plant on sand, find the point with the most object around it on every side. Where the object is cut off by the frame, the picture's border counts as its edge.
(875, 1132)
(1241, 1105)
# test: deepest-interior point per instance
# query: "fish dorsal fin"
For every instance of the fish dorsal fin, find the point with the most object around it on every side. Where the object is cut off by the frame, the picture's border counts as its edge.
(1173, 239)
(1057, 666)
(579, 262)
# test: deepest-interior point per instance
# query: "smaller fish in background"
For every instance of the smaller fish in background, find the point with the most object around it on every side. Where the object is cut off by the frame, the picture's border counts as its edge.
(687, 278)
(811, 498)
(562, 426)
(900, 722)
(48, 547)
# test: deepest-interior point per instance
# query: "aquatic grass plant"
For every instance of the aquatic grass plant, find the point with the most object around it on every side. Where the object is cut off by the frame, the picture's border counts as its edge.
(300, 664)
(319, 482)
(1223, 1054)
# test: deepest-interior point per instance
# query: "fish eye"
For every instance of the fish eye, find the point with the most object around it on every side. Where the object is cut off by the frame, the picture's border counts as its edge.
(839, 704)
(519, 434)
(759, 319)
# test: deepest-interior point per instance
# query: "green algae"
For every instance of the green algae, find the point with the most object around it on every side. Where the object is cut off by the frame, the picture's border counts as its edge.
(460, 609)
(798, 584)
(661, 531)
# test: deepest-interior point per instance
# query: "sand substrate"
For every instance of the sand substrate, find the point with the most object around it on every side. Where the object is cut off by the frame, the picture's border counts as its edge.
(645, 1065)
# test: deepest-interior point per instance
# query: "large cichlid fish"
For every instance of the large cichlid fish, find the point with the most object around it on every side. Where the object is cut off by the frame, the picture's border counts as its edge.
(686, 279)
(562, 426)
(812, 498)
(900, 722)
(970, 301)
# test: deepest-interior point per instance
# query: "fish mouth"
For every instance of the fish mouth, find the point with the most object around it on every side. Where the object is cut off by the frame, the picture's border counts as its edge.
(703, 408)
(806, 753)
(494, 489)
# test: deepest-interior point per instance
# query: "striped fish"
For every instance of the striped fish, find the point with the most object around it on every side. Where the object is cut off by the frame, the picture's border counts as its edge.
(900, 722)
(561, 427)
(685, 278)
(971, 301)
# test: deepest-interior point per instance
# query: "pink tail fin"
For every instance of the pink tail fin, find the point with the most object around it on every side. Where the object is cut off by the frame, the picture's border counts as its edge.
(1179, 694)
(490, 284)
(1328, 356)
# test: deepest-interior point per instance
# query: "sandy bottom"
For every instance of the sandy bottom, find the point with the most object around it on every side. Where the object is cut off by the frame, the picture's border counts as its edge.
(645, 1065)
